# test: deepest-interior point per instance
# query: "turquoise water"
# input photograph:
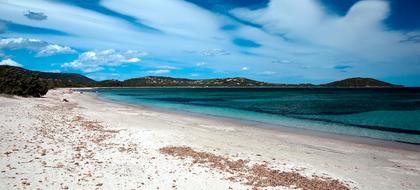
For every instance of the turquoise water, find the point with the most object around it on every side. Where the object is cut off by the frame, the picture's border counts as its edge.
(389, 114)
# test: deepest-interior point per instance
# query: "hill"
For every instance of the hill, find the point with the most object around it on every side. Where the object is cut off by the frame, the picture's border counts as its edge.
(360, 83)
(168, 81)
(78, 80)
(15, 81)
(54, 79)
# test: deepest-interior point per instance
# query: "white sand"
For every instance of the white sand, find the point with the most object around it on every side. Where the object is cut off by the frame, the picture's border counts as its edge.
(47, 144)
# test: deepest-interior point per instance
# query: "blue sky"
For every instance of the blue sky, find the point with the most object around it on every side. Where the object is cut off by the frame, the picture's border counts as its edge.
(284, 41)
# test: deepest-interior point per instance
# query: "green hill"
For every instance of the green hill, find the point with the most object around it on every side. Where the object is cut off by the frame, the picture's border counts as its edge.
(15, 81)
(53, 79)
(168, 81)
(77, 80)
(360, 82)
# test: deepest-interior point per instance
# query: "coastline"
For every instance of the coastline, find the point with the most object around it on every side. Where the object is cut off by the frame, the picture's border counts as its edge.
(374, 142)
(361, 165)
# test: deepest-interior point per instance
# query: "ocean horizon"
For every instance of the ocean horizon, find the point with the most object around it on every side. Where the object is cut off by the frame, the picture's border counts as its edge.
(378, 113)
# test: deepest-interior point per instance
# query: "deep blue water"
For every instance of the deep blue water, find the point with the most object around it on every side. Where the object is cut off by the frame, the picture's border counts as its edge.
(390, 114)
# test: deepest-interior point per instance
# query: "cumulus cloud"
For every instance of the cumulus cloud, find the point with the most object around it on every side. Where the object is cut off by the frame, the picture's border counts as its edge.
(160, 71)
(53, 49)
(35, 15)
(245, 69)
(10, 62)
(20, 43)
(42, 48)
(92, 61)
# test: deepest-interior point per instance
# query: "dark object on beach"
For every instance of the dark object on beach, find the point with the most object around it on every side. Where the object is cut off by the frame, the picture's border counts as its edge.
(256, 175)
(21, 84)
(65, 100)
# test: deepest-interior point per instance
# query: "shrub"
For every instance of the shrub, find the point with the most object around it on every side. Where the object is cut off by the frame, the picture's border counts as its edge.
(22, 84)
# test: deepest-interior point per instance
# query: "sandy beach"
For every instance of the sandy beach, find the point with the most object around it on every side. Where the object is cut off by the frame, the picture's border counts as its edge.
(88, 143)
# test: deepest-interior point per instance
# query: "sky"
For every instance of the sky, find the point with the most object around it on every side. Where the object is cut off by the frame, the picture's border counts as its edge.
(281, 41)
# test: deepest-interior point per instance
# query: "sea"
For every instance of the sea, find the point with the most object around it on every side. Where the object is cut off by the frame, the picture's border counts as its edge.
(379, 113)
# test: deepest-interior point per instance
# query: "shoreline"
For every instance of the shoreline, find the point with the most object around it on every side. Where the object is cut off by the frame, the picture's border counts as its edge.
(88, 143)
(374, 142)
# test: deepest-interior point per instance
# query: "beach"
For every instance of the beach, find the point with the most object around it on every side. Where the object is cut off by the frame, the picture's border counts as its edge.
(85, 142)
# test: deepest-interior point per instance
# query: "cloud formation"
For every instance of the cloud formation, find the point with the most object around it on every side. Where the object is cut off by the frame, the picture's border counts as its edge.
(52, 49)
(10, 62)
(41, 48)
(97, 60)
(360, 31)
(35, 15)
(303, 39)
(160, 71)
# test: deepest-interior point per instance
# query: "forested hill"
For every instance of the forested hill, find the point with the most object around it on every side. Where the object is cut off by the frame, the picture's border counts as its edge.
(78, 80)
(360, 82)
(53, 79)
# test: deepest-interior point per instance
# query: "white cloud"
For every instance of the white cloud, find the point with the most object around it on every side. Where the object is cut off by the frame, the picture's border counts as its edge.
(183, 26)
(133, 60)
(245, 69)
(92, 61)
(20, 43)
(10, 62)
(360, 32)
(42, 48)
(53, 49)
(160, 71)
(178, 18)
(317, 38)
(195, 74)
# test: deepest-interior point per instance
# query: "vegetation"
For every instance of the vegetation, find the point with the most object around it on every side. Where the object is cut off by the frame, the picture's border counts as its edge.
(360, 82)
(54, 80)
(21, 84)
(168, 81)
(19, 81)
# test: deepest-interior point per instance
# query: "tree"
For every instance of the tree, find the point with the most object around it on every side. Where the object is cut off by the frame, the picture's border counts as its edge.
(22, 84)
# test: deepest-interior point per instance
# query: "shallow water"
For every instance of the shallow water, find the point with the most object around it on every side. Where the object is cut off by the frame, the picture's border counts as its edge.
(389, 114)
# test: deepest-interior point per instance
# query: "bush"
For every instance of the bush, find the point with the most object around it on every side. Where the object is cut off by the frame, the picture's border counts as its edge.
(21, 84)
